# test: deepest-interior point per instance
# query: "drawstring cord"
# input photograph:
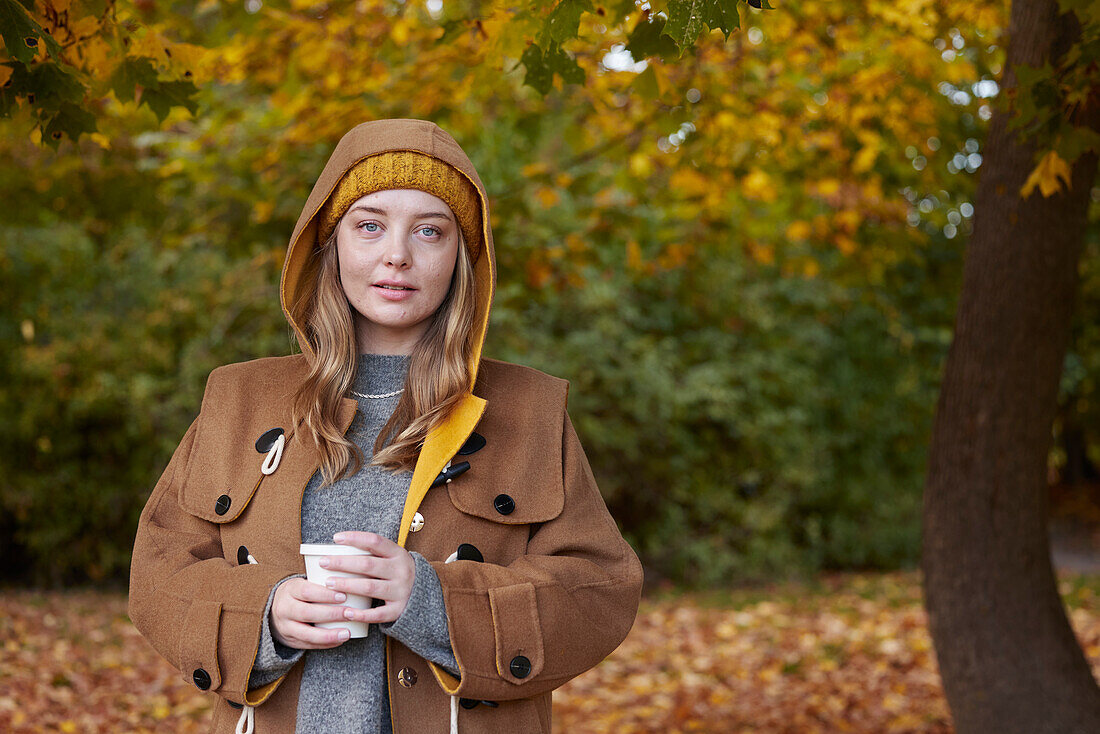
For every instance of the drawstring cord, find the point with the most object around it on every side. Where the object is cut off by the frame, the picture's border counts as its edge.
(454, 699)
(247, 722)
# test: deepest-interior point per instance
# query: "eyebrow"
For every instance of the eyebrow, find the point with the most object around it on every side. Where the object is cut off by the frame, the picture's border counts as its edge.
(419, 215)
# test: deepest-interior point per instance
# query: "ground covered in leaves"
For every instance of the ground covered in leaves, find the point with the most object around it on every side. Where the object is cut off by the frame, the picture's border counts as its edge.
(850, 653)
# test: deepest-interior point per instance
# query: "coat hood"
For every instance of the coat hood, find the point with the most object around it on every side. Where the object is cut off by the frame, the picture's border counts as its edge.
(364, 140)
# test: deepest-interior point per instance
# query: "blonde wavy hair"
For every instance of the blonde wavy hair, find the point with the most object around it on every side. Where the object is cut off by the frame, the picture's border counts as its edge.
(438, 375)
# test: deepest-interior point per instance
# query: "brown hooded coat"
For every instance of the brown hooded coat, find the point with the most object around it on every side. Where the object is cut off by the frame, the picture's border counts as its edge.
(557, 591)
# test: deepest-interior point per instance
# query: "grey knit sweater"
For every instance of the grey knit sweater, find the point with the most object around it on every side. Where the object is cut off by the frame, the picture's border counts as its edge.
(344, 688)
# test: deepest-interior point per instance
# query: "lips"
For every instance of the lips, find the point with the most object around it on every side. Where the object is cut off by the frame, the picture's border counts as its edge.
(392, 285)
(394, 290)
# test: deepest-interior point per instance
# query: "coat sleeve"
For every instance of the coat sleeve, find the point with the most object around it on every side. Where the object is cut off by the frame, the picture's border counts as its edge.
(554, 612)
(200, 611)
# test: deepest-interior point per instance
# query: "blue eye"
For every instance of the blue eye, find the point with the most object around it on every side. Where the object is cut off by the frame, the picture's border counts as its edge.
(366, 224)
(434, 229)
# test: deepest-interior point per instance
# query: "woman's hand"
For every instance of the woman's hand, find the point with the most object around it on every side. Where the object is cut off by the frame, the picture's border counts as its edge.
(388, 575)
(296, 605)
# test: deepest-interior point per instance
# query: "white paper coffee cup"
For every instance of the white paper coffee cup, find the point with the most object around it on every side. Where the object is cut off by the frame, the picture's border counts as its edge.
(313, 553)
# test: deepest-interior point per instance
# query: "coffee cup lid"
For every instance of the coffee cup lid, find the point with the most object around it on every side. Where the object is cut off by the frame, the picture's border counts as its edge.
(331, 549)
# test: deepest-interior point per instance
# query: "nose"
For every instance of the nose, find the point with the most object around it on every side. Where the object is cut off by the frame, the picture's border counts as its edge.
(397, 252)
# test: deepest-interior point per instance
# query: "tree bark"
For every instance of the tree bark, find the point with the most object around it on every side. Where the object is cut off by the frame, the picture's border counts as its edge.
(1008, 658)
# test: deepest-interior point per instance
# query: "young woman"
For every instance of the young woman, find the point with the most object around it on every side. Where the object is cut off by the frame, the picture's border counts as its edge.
(497, 572)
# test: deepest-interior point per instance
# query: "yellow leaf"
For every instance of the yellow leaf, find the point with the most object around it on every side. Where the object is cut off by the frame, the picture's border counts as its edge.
(261, 212)
(689, 181)
(762, 253)
(1046, 176)
(798, 230)
(547, 197)
(828, 186)
(400, 32)
(726, 120)
(867, 154)
(845, 244)
(848, 219)
(86, 26)
(758, 185)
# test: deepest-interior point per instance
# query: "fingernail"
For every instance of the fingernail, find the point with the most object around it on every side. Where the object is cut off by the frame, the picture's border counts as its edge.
(341, 596)
(343, 635)
(323, 562)
(338, 538)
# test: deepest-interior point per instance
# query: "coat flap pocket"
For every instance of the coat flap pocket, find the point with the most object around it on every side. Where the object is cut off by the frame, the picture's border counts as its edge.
(517, 632)
(241, 418)
(515, 475)
(509, 504)
(244, 430)
(198, 654)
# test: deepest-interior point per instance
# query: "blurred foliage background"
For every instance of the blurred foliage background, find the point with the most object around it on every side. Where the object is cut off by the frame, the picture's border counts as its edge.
(745, 258)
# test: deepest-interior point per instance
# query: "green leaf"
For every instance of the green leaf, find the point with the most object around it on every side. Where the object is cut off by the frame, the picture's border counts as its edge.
(538, 75)
(620, 9)
(18, 85)
(71, 120)
(542, 65)
(133, 70)
(564, 20)
(725, 17)
(22, 34)
(1075, 141)
(647, 40)
(53, 85)
(166, 95)
(686, 20)
(646, 83)
(453, 28)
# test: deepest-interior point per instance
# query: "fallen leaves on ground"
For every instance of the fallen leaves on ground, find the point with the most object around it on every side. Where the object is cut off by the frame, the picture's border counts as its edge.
(849, 654)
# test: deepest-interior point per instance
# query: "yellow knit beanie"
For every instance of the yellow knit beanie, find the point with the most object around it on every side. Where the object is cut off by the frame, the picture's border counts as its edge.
(406, 169)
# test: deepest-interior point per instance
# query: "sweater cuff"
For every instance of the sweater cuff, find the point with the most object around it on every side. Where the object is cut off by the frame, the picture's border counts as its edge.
(422, 626)
(273, 658)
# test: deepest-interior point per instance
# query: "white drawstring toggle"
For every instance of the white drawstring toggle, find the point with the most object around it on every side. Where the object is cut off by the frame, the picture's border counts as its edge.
(274, 454)
(247, 722)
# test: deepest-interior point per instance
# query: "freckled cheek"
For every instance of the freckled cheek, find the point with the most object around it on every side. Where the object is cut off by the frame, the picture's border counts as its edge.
(356, 275)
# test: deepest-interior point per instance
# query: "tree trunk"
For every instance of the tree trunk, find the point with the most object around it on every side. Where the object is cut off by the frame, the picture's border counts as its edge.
(1007, 655)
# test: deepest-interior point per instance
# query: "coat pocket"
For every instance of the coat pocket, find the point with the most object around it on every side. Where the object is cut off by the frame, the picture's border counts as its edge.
(198, 644)
(517, 632)
(229, 474)
(519, 503)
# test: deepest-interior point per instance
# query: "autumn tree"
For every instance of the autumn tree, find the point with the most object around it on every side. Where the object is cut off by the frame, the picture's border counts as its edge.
(1007, 655)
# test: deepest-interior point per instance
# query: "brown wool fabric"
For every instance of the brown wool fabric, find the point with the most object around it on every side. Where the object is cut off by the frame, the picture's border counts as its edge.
(405, 169)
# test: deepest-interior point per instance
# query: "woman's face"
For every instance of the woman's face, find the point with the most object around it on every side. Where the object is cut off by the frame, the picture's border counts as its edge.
(397, 251)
